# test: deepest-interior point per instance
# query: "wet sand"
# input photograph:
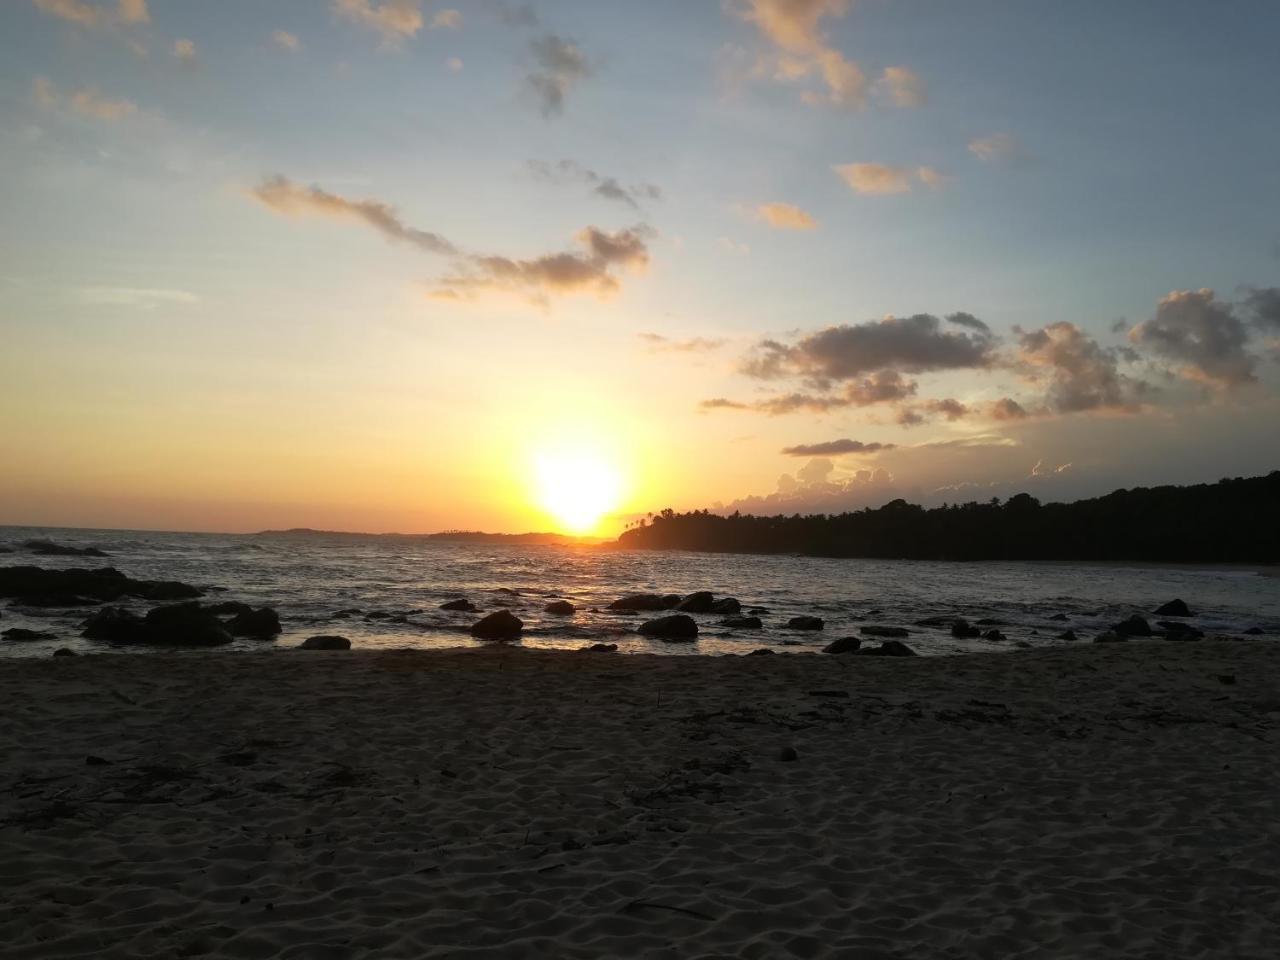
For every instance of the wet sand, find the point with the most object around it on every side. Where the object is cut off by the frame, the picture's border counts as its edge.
(1098, 801)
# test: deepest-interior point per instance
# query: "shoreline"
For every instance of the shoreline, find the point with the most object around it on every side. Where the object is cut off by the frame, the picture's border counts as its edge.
(1110, 800)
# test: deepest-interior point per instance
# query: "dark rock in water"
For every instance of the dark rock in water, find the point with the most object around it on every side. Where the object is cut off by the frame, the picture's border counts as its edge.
(758, 611)
(377, 615)
(788, 755)
(602, 648)
(19, 635)
(224, 608)
(670, 600)
(58, 601)
(677, 627)
(462, 604)
(889, 648)
(561, 608)
(1174, 608)
(1069, 635)
(699, 602)
(990, 622)
(508, 591)
(1135, 626)
(105, 584)
(875, 630)
(994, 635)
(325, 642)
(642, 601)
(1176, 630)
(65, 652)
(184, 625)
(805, 623)
(938, 622)
(1254, 632)
(499, 625)
(1060, 617)
(963, 630)
(1022, 645)
(761, 652)
(874, 613)
(114, 625)
(47, 548)
(727, 605)
(742, 623)
(263, 622)
(843, 645)
(6, 550)
(1110, 636)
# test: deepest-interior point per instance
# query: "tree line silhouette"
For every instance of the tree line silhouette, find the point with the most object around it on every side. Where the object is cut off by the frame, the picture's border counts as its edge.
(1233, 520)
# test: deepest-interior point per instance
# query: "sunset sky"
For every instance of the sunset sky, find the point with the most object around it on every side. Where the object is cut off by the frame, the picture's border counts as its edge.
(379, 265)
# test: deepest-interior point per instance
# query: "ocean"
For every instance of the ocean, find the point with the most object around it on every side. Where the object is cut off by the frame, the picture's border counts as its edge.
(308, 578)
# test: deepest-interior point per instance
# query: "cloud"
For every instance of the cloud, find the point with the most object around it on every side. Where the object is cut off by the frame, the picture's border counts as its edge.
(835, 448)
(1264, 305)
(454, 64)
(92, 15)
(447, 20)
(902, 87)
(1080, 374)
(998, 148)
(884, 386)
(915, 344)
(784, 216)
(592, 270)
(1006, 408)
(559, 64)
(282, 196)
(661, 344)
(521, 16)
(394, 19)
(185, 51)
(286, 41)
(878, 179)
(44, 92)
(1204, 334)
(568, 172)
(88, 102)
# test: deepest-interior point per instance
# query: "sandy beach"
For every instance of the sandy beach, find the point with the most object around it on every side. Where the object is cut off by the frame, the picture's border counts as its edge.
(1103, 801)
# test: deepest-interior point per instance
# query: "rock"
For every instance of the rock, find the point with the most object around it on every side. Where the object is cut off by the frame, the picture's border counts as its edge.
(874, 613)
(114, 625)
(642, 601)
(58, 601)
(699, 602)
(499, 625)
(184, 625)
(104, 584)
(1060, 617)
(889, 648)
(561, 608)
(990, 622)
(65, 652)
(602, 648)
(962, 630)
(758, 611)
(995, 636)
(225, 608)
(787, 755)
(805, 623)
(875, 630)
(742, 623)
(262, 623)
(325, 642)
(670, 600)
(1174, 608)
(1176, 630)
(345, 614)
(937, 622)
(1069, 635)
(1022, 645)
(761, 652)
(843, 645)
(1135, 626)
(1110, 636)
(677, 627)
(377, 615)
(19, 635)
(1254, 632)
(462, 604)
(47, 548)
(727, 605)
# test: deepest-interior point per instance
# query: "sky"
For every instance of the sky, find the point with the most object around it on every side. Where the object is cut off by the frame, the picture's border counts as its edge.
(390, 265)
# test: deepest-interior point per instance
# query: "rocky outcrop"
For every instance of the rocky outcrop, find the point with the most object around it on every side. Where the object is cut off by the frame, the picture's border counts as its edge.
(963, 630)
(876, 630)
(104, 584)
(644, 601)
(462, 604)
(699, 602)
(1174, 608)
(499, 625)
(262, 623)
(1135, 626)
(20, 635)
(47, 548)
(601, 648)
(727, 605)
(676, 628)
(805, 623)
(742, 623)
(561, 608)
(325, 642)
(843, 645)
(176, 625)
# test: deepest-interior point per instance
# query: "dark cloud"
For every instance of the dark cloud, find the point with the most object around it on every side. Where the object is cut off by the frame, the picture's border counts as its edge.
(883, 386)
(835, 448)
(1080, 374)
(723, 403)
(569, 172)
(1006, 408)
(559, 64)
(968, 320)
(1202, 333)
(1264, 306)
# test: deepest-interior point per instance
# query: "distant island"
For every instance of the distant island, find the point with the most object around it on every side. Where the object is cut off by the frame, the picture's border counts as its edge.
(464, 536)
(1231, 521)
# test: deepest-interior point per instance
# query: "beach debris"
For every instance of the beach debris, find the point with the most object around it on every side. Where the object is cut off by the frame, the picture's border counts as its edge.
(19, 635)
(963, 630)
(643, 601)
(805, 623)
(787, 755)
(843, 645)
(462, 604)
(889, 648)
(601, 648)
(47, 548)
(262, 623)
(1135, 626)
(325, 641)
(676, 628)
(499, 625)
(726, 605)
(103, 584)
(1174, 608)
(699, 602)
(742, 623)
(876, 630)
(65, 652)
(561, 608)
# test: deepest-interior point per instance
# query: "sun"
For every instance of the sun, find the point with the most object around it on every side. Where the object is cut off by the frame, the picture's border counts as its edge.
(578, 488)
